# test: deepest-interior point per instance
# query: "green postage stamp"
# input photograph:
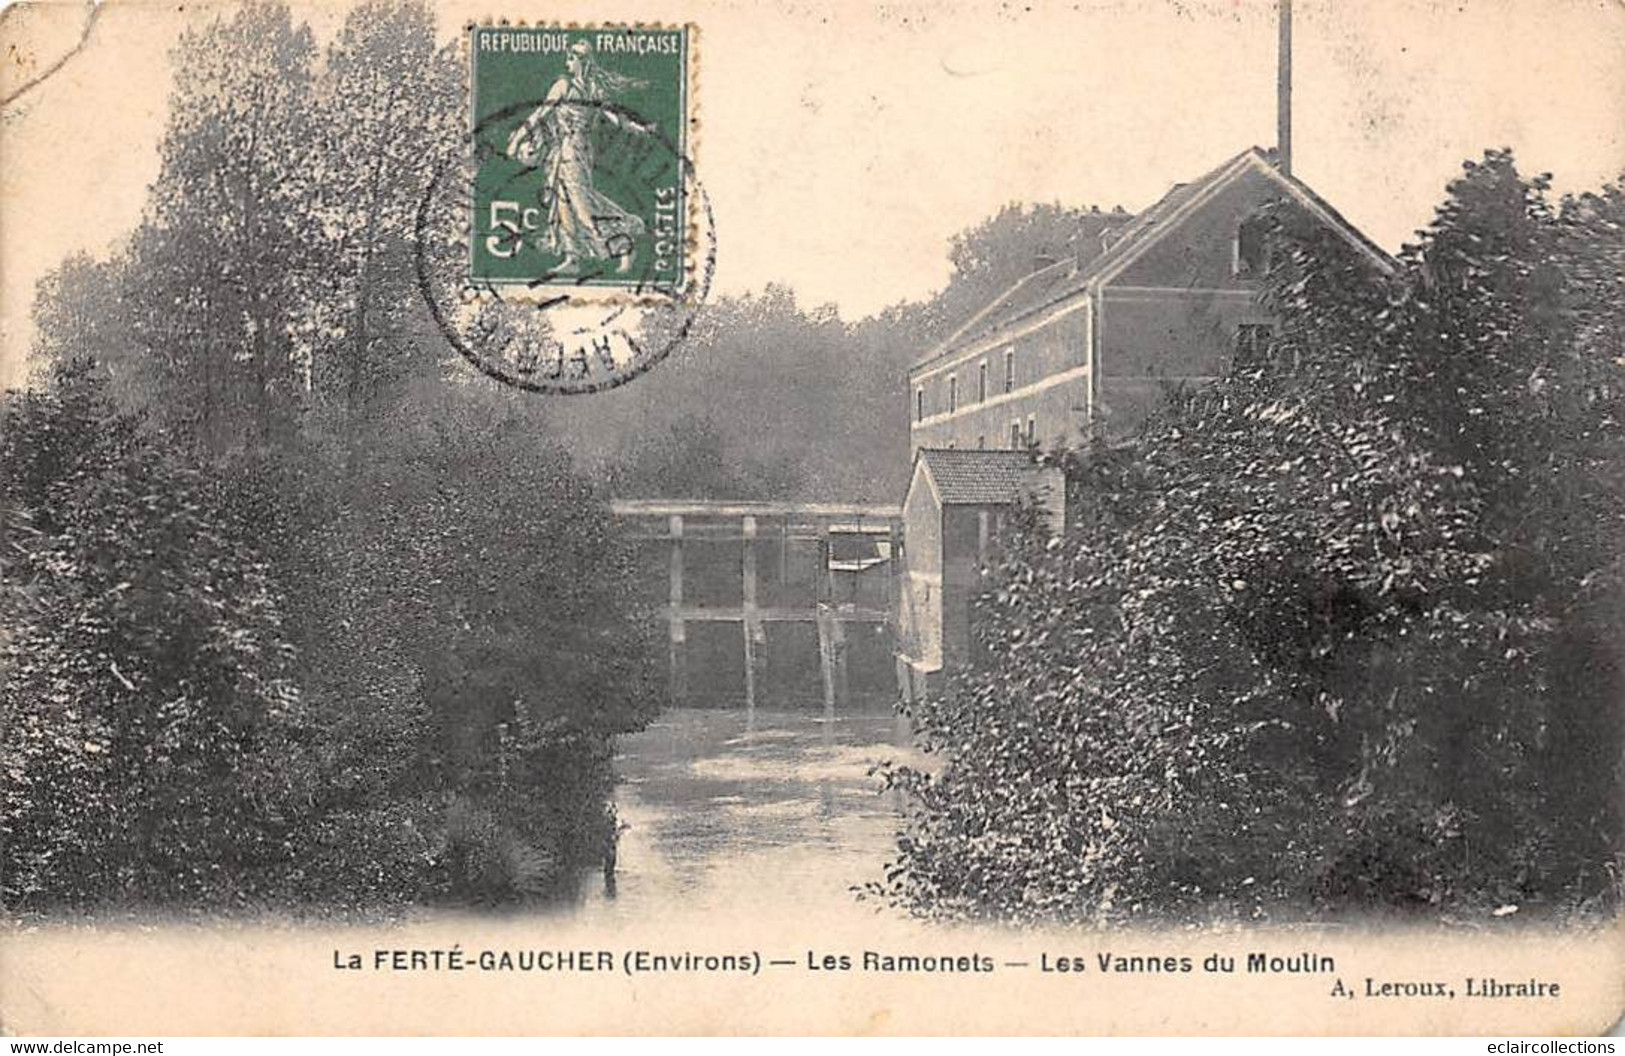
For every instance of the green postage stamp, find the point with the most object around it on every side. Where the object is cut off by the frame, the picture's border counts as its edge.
(581, 153)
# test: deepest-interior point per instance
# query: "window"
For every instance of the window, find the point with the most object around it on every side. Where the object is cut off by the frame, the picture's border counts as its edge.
(981, 442)
(919, 404)
(981, 382)
(953, 393)
(1009, 370)
(1015, 436)
(1252, 346)
(950, 445)
(1032, 431)
(1251, 257)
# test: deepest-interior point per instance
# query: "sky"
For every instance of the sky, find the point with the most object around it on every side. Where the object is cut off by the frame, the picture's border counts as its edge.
(843, 144)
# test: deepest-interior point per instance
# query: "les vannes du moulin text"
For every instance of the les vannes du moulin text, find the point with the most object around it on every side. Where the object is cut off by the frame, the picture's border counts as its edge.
(640, 961)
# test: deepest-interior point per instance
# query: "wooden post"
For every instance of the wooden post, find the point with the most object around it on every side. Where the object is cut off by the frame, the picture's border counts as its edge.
(784, 555)
(837, 641)
(752, 625)
(678, 633)
(826, 657)
(825, 589)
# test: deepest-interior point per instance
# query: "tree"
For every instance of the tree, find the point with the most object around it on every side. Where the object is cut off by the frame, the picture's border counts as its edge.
(146, 690)
(475, 641)
(1308, 646)
(446, 591)
(387, 115)
(213, 299)
(807, 414)
(692, 460)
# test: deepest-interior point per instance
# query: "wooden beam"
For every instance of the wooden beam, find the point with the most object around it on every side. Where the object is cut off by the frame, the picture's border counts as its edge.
(666, 508)
(776, 614)
(726, 532)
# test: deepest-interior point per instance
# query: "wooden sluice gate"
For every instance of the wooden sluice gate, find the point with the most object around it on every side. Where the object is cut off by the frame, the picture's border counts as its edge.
(768, 603)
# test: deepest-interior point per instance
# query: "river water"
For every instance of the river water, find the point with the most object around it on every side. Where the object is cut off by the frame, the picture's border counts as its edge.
(729, 812)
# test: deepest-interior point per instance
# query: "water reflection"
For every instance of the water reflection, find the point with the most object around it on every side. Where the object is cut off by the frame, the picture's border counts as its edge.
(740, 814)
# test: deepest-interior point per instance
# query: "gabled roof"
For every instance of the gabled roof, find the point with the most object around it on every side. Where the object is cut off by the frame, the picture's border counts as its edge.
(978, 478)
(1053, 284)
(1095, 231)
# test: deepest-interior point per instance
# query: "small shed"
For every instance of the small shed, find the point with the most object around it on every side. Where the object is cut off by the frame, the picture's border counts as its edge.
(957, 506)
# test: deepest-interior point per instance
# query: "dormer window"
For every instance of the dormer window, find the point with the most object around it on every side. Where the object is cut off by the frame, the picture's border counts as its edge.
(1251, 249)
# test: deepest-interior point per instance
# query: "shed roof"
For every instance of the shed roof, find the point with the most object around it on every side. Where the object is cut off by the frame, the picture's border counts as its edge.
(978, 478)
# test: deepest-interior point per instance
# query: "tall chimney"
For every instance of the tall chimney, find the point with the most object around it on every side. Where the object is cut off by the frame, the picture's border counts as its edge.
(1283, 93)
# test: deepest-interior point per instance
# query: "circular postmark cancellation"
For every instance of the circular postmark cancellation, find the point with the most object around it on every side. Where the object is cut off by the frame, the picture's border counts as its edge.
(568, 250)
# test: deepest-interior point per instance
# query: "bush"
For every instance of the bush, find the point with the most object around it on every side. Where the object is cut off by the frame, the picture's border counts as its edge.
(1309, 645)
(146, 695)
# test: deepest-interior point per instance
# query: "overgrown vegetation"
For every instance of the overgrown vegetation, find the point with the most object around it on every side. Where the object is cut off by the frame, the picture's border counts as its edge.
(1341, 634)
(297, 611)
(293, 615)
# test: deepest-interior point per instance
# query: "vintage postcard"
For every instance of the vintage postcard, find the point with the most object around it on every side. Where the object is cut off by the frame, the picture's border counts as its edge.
(707, 517)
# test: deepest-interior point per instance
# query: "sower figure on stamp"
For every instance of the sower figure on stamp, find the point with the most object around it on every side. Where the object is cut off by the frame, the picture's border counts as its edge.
(582, 223)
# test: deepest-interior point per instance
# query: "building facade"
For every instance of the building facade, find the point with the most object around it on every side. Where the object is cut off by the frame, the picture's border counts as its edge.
(1083, 346)
(1092, 342)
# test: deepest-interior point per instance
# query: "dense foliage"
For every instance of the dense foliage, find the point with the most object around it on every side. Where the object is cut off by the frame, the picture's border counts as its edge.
(295, 610)
(468, 621)
(1341, 633)
(293, 613)
(147, 701)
